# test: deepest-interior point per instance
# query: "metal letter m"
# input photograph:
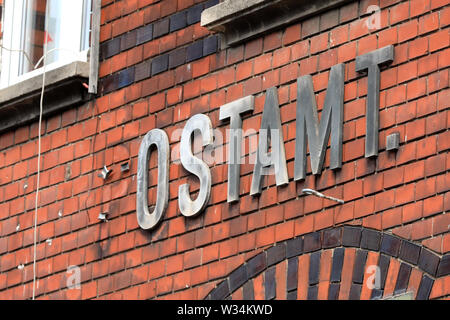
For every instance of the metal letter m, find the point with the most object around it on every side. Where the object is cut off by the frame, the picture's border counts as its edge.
(308, 125)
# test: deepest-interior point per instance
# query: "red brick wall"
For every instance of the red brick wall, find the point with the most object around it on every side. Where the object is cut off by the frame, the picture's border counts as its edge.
(148, 84)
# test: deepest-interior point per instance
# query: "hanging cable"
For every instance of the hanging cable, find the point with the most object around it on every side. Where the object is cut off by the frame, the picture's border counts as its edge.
(41, 104)
(38, 180)
(41, 108)
(20, 51)
(77, 54)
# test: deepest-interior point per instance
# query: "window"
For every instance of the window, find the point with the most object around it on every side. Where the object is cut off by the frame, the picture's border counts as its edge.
(240, 21)
(66, 39)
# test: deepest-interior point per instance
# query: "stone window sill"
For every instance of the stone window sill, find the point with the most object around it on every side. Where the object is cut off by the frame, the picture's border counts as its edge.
(20, 103)
(240, 21)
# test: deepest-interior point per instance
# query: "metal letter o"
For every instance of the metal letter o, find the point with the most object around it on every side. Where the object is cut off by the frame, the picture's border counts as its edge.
(146, 219)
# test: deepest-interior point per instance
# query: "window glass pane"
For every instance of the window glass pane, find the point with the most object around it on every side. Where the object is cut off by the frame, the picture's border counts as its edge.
(64, 38)
(33, 33)
(67, 39)
(64, 29)
(86, 32)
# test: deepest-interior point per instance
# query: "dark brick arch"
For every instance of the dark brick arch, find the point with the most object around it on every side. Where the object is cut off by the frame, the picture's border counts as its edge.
(343, 253)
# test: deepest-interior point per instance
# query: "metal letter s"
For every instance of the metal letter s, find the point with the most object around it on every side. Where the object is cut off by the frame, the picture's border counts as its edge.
(194, 165)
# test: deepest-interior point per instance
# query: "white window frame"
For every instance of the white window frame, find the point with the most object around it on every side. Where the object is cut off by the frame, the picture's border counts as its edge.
(14, 17)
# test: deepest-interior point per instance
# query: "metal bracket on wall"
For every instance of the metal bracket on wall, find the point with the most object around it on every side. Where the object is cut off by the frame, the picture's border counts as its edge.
(393, 141)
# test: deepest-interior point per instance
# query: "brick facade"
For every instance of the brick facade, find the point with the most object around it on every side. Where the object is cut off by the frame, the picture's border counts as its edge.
(159, 67)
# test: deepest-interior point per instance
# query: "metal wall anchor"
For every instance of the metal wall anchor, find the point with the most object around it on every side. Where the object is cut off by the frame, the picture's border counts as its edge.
(124, 167)
(104, 173)
(102, 216)
(321, 195)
